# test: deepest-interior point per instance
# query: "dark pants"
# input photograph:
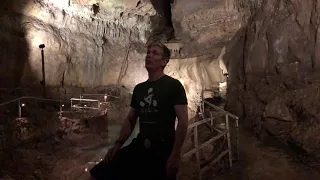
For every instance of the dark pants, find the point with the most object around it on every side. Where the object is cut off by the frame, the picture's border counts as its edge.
(136, 162)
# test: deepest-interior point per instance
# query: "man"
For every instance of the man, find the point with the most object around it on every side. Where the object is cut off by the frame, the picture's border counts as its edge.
(155, 153)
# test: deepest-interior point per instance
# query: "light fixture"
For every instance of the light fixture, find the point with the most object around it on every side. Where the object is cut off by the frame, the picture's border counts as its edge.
(85, 105)
(23, 105)
(62, 105)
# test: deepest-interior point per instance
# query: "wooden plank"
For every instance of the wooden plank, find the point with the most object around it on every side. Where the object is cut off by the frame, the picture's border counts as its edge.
(196, 144)
(213, 128)
(229, 140)
(204, 144)
(211, 116)
(201, 122)
(237, 139)
(205, 168)
(220, 109)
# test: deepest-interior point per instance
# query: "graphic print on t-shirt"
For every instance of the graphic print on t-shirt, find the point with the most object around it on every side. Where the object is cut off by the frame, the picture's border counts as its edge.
(149, 104)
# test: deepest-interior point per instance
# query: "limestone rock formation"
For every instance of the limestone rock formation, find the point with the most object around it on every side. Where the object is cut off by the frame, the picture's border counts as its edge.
(205, 26)
(276, 91)
(86, 41)
(97, 43)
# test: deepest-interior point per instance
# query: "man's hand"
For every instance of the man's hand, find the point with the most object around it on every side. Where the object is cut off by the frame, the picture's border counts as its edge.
(182, 127)
(172, 166)
(111, 153)
(125, 132)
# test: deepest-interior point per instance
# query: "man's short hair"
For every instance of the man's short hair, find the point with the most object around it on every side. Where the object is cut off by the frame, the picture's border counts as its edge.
(165, 50)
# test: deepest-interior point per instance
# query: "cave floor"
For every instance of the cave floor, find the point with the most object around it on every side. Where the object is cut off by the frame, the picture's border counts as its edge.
(56, 158)
(260, 161)
(67, 160)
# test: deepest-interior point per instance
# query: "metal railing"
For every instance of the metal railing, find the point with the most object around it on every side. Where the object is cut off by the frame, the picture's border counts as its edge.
(85, 105)
(97, 95)
(20, 104)
(82, 99)
(221, 134)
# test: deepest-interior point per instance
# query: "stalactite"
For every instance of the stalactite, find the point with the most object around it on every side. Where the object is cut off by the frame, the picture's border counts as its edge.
(101, 29)
(97, 24)
(115, 32)
(65, 19)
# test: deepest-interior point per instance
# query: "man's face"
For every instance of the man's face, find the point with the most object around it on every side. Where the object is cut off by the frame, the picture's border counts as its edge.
(154, 58)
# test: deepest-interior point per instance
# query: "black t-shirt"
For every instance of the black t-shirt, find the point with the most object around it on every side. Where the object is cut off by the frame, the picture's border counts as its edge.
(154, 102)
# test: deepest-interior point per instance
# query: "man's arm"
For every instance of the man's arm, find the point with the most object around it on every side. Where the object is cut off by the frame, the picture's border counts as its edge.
(182, 127)
(128, 126)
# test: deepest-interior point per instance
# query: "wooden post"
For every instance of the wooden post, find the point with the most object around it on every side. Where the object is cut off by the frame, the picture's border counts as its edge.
(229, 140)
(237, 137)
(196, 145)
(211, 121)
(202, 103)
(19, 108)
(60, 107)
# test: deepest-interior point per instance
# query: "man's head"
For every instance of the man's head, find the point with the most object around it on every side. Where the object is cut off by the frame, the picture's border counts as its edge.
(158, 56)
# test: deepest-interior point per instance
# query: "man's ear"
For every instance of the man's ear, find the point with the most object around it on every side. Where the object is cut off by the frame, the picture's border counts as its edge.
(165, 62)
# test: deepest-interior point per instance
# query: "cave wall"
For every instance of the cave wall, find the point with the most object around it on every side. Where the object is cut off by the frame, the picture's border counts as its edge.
(278, 93)
(196, 74)
(206, 26)
(93, 43)
(14, 46)
(86, 42)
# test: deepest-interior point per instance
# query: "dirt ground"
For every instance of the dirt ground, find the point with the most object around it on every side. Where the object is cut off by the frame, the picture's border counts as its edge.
(259, 161)
(68, 160)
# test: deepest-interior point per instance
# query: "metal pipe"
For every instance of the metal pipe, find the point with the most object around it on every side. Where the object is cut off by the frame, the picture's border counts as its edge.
(101, 95)
(43, 71)
(92, 100)
(28, 97)
(11, 101)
